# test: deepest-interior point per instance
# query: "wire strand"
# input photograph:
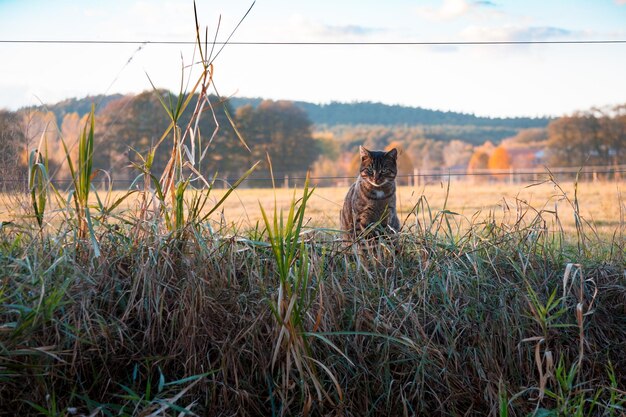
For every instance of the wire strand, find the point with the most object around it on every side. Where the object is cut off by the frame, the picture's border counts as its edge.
(420, 175)
(316, 43)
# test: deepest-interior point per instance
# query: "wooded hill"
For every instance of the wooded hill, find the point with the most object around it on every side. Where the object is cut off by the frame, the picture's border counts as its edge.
(369, 113)
(437, 125)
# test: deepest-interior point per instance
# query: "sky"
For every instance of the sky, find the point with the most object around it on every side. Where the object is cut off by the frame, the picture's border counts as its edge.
(486, 80)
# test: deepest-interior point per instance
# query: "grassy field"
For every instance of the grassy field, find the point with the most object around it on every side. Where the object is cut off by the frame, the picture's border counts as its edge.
(495, 310)
(601, 204)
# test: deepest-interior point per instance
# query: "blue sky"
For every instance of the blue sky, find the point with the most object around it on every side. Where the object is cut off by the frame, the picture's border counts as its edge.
(502, 80)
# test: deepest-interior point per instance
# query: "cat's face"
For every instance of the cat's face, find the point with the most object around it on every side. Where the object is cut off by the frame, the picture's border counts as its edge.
(377, 167)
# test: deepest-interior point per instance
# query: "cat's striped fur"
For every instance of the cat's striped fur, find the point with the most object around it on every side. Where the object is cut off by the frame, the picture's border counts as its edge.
(372, 198)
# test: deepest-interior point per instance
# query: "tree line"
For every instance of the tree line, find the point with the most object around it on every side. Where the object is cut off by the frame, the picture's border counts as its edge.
(128, 127)
(593, 137)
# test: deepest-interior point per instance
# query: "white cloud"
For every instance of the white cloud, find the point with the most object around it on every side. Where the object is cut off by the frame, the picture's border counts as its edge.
(516, 33)
(453, 9)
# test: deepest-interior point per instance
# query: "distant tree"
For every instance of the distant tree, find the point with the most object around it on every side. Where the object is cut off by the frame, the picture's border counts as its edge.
(134, 124)
(478, 161)
(40, 129)
(327, 145)
(618, 133)
(424, 153)
(405, 165)
(129, 125)
(333, 169)
(217, 147)
(355, 163)
(430, 154)
(487, 147)
(395, 115)
(581, 139)
(499, 159)
(282, 130)
(613, 126)
(71, 127)
(529, 137)
(457, 154)
(12, 168)
(378, 137)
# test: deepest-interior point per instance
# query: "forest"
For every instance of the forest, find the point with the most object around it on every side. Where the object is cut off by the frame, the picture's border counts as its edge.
(299, 137)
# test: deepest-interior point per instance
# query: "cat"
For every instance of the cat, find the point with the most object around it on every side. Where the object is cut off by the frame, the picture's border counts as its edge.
(372, 198)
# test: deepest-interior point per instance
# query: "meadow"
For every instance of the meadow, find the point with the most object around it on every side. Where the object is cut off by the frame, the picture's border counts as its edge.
(601, 203)
(493, 300)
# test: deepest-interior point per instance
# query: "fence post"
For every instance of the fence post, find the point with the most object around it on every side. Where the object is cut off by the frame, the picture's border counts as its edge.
(286, 184)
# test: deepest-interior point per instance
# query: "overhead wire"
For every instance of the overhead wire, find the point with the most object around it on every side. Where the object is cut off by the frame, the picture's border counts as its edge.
(317, 43)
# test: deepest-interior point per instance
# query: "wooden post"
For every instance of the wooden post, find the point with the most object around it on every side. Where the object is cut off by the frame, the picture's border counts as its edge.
(286, 184)
(415, 178)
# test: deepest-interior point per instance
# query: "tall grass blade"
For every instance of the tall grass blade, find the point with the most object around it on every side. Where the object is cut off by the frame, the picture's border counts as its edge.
(38, 185)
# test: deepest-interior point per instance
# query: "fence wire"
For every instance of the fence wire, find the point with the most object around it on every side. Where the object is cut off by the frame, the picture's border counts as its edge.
(418, 177)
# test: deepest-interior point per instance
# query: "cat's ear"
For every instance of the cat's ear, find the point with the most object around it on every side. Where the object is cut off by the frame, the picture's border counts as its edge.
(392, 153)
(364, 152)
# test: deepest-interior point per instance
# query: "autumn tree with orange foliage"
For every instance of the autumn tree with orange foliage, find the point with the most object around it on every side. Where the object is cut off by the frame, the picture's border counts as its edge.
(479, 161)
(499, 159)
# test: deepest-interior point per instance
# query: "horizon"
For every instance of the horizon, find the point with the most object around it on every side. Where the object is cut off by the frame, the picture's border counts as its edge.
(495, 81)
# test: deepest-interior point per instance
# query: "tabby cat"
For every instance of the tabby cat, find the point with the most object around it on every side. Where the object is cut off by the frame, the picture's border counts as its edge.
(372, 198)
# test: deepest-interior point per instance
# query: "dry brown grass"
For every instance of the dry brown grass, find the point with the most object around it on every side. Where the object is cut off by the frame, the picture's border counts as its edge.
(599, 202)
(501, 320)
